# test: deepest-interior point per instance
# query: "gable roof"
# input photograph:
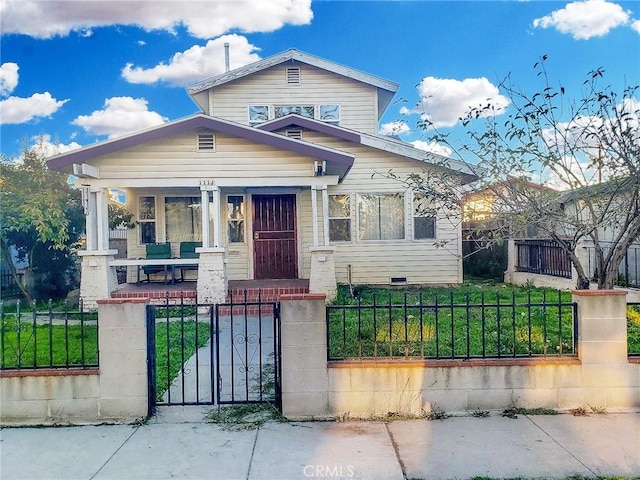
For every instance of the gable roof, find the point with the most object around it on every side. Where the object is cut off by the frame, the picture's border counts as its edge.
(379, 142)
(339, 162)
(386, 88)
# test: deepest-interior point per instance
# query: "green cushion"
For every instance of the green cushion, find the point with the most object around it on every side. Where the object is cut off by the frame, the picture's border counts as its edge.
(188, 249)
(158, 251)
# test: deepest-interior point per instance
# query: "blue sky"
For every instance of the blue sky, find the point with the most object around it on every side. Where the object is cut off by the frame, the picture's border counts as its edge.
(78, 72)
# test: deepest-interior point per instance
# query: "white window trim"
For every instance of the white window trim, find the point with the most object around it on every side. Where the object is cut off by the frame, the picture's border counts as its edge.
(396, 240)
(350, 217)
(155, 219)
(227, 219)
(413, 223)
(271, 112)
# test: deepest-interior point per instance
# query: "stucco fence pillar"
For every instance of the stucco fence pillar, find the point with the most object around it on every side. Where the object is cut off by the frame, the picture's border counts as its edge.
(212, 275)
(97, 278)
(322, 277)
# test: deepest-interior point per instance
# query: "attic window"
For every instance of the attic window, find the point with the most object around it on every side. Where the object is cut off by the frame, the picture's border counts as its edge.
(206, 142)
(295, 133)
(293, 75)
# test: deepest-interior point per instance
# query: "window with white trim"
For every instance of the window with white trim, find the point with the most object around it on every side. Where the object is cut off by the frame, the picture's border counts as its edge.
(235, 218)
(424, 217)
(147, 220)
(329, 114)
(302, 110)
(258, 114)
(381, 216)
(340, 218)
(183, 219)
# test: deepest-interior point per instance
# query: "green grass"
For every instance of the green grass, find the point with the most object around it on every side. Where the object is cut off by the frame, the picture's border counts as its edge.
(444, 327)
(176, 342)
(633, 329)
(25, 345)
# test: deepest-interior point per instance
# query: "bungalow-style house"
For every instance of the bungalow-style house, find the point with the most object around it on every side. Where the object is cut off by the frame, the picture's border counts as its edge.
(276, 178)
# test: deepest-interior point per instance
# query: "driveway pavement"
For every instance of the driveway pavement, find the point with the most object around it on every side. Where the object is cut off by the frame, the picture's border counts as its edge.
(177, 443)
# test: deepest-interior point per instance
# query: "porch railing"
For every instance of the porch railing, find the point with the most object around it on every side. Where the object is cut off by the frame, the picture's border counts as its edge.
(543, 257)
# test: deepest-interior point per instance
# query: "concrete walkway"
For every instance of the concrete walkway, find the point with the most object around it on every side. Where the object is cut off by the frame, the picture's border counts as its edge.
(458, 447)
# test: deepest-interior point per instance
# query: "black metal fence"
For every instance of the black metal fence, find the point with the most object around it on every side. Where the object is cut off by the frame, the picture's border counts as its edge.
(629, 269)
(633, 329)
(206, 354)
(60, 337)
(423, 328)
(544, 257)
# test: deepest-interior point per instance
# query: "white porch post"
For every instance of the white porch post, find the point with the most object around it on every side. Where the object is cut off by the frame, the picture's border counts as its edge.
(325, 214)
(98, 278)
(206, 243)
(212, 267)
(102, 220)
(217, 221)
(314, 214)
(322, 278)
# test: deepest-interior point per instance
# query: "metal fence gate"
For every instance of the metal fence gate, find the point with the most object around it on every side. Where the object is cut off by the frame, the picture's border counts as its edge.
(227, 353)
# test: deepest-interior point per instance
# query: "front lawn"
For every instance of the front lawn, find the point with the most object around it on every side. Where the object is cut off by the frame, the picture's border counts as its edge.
(469, 321)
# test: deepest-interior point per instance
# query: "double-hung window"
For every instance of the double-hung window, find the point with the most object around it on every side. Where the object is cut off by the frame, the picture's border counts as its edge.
(235, 218)
(424, 217)
(340, 218)
(147, 219)
(381, 216)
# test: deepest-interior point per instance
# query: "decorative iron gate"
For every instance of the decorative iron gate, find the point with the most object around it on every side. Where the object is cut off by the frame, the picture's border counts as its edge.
(227, 353)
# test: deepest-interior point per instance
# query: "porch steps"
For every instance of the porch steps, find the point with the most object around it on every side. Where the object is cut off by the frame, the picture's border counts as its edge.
(240, 292)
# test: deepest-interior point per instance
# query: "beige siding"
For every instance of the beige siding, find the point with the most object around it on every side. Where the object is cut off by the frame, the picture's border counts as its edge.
(358, 101)
(375, 262)
(176, 157)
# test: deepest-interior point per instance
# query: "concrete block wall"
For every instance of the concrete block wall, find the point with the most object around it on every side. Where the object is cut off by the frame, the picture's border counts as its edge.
(114, 392)
(602, 375)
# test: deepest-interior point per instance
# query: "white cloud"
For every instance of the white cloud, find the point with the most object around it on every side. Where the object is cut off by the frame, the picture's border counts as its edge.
(45, 19)
(394, 128)
(120, 115)
(44, 146)
(444, 101)
(14, 110)
(196, 63)
(636, 25)
(433, 147)
(586, 19)
(8, 77)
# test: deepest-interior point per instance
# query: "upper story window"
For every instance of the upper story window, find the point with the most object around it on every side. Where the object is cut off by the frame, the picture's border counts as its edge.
(329, 113)
(258, 114)
(292, 75)
(302, 110)
(206, 142)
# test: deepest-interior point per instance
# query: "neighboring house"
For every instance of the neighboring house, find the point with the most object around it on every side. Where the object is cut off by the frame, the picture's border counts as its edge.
(280, 167)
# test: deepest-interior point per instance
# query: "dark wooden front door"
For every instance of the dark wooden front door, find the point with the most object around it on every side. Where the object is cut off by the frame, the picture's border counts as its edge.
(274, 236)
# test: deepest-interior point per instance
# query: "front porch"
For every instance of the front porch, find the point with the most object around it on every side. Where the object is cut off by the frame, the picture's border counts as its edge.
(187, 292)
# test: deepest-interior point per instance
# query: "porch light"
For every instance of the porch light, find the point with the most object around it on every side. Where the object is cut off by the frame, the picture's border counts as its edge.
(319, 169)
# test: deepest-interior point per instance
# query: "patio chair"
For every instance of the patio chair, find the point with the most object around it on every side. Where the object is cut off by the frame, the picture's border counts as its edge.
(188, 250)
(157, 251)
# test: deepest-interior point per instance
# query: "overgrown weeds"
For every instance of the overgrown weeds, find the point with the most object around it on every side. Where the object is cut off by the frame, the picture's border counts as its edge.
(244, 417)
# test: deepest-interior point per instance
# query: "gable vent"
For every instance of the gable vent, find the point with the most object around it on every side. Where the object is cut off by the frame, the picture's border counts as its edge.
(294, 133)
(206, 142)
(293, 75)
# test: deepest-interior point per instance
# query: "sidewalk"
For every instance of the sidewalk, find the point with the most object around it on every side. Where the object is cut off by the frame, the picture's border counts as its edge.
(459, 447)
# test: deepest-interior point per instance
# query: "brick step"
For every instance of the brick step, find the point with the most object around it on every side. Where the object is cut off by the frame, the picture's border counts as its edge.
(273, 292)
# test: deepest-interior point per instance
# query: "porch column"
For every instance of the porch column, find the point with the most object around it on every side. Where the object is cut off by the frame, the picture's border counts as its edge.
(97, 277)
(212, 266)
(204, 192)
(314, 214)
(217, 221)
(322, 277)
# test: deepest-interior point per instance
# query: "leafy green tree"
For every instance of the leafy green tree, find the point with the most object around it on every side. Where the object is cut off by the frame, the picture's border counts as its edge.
(41, 217)
(585, 142)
